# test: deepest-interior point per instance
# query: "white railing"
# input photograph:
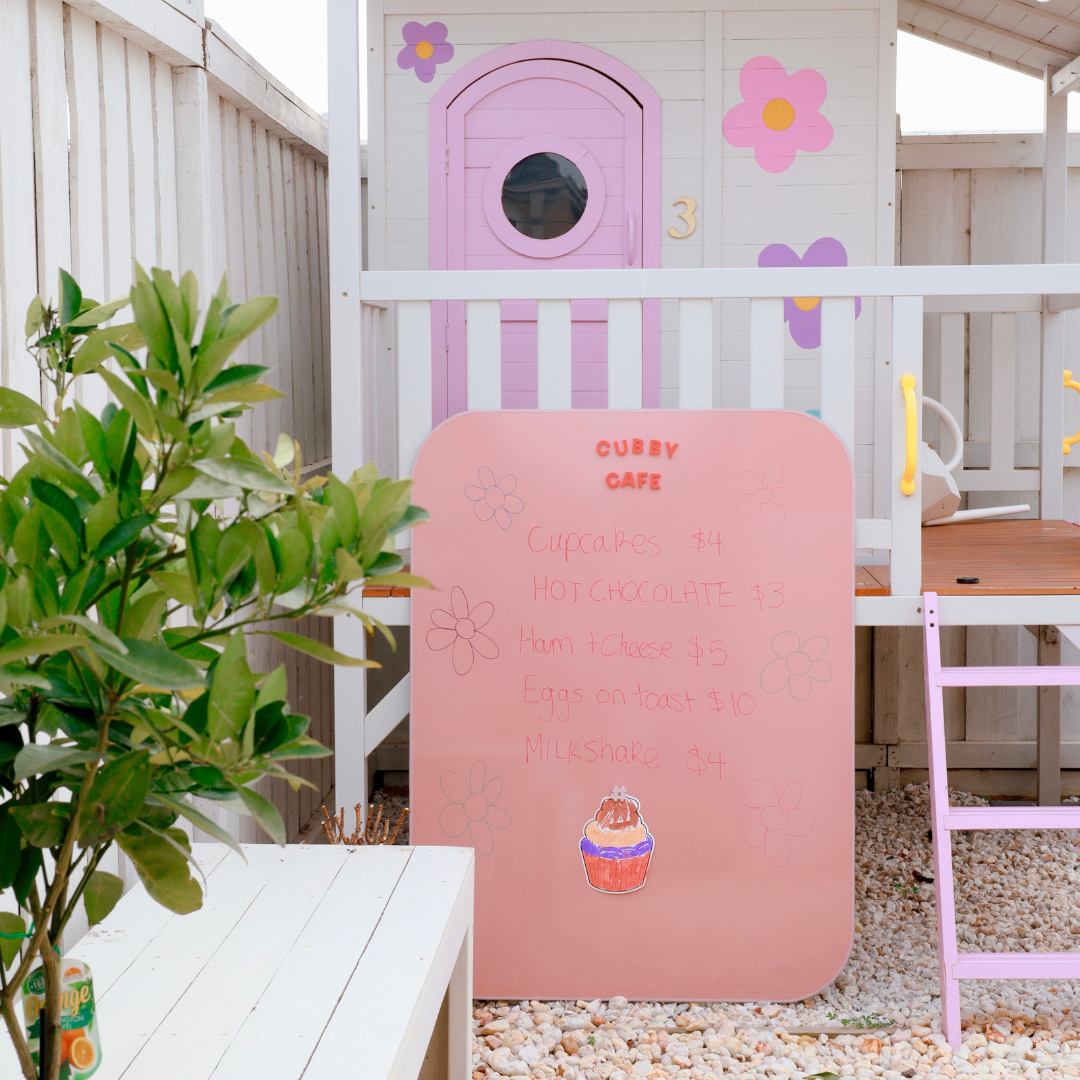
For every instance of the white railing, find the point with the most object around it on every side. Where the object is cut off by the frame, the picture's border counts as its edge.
(951, 291)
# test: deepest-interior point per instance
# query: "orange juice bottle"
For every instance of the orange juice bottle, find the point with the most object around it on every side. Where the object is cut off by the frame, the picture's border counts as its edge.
(80, 1045)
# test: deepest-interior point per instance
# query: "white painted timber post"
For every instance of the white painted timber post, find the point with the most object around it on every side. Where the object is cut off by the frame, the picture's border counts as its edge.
(1055, 201)
(194, 210)
(907, 359)
(838, 368)
(346, 358)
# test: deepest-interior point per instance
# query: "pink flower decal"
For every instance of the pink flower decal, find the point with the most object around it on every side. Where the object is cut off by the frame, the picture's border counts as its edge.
(772, 819)
(460, 627)
(472, 807)
(803, 313)
(778, 115)
(493, 498)
(797, 666)
(764, 495)
(425, 47)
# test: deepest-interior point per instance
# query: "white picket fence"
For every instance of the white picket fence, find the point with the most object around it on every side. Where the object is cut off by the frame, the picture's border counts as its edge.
(135, 130)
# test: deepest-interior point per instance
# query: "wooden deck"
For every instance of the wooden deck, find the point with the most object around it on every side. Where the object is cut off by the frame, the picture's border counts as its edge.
(1010, 558)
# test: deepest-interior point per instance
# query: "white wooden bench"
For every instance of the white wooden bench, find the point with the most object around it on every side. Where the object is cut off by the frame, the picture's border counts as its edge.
(308, 961)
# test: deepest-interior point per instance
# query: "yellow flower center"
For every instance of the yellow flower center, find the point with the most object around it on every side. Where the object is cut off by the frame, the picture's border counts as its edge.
(806, 303)
(424, 49)
(778, 114)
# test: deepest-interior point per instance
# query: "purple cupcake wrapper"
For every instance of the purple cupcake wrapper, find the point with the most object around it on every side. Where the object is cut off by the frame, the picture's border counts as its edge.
(589, 848)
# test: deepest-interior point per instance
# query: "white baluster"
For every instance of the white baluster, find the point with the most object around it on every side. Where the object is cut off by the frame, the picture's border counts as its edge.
(553, 354)
(624, 354)
(906, 510)
(695, 354)
(766, 354)
(952, 373)
(1002, 391)
(414, 379)
(483, 336)
(838, 367)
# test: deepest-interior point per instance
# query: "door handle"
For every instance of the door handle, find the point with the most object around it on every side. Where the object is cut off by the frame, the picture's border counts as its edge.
(911, 434)
(631, 236)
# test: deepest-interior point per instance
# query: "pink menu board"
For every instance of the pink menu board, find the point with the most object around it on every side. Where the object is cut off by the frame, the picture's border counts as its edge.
(632, 694)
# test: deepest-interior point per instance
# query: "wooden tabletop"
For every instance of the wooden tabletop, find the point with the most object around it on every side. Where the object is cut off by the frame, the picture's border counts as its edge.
(311, 961)
(1010, 558)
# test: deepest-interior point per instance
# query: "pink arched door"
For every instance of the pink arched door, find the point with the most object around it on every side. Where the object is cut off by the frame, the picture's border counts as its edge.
(542, 166)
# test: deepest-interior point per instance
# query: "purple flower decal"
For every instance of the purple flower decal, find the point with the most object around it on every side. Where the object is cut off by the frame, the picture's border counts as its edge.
(773, 818)
(797, 666)
(425, 46)
(460, 627)
(472, 807)
(493, 498)
(803, 313)
(764, 494)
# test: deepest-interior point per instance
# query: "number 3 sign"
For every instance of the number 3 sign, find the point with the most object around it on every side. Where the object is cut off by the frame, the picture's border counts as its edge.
(687, 215)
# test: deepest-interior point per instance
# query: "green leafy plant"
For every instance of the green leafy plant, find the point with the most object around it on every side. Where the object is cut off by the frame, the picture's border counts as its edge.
(139, 549)
(867, 1020)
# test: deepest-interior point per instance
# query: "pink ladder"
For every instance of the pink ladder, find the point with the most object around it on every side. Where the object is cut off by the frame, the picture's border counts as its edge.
(953, 965)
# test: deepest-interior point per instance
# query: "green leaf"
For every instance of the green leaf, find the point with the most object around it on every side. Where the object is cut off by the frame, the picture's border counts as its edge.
(121, 535)
(70, 298)
(12, 402)
(385, 564)
(265, 813)
(35, 316)
(405, 581)
(294, 549)
(43, 645)
(151, 318)
(383, 503)
(246, 393)
(246, 318)
(200, 821)
(152, 664)
(101, 894)
(96, 346)
(175, 586)
(115, 798)
(72, 474)
(164, 870)
(10, 847)
(348, 569)
(413, 516)
(132, 400)
(29, 865)
(232, 694)
(238, 373)
(94, 629)
(318, 650)
(13, 929)
(248, 476)
(102, 313)
(344, 504)
(36, 759)
(275, 687)
(43, 824)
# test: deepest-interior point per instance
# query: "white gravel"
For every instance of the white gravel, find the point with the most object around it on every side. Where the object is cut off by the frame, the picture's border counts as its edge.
(1016, 893)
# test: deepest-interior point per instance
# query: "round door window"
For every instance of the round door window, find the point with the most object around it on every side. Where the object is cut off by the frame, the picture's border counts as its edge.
(544, 196)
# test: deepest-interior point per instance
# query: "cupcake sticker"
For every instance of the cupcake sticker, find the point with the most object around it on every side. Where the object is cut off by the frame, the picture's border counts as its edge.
(616, 846)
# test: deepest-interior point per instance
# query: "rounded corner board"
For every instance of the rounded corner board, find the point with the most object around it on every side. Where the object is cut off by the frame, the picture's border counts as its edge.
(632, 694)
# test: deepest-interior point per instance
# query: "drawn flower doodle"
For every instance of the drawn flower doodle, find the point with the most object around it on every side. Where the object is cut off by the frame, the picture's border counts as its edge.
(797, 666)
(764, 495)
(803, 313)
(773, 818)
(460, 627)
(493, 498)
(425, 47)
(472, 807)
(778, 115)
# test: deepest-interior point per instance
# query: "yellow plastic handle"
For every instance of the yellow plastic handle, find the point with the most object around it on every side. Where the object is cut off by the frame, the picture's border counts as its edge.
(911, 441)
(1067, 442)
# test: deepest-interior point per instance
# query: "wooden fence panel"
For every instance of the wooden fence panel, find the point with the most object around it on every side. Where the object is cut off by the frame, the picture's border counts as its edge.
(89, 152)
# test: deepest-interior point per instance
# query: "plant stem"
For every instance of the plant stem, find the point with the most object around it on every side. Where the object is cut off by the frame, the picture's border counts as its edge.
(18, 1039)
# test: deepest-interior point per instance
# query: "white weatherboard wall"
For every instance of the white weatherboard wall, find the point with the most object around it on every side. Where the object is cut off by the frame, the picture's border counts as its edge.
(692, 59)
(134, 130)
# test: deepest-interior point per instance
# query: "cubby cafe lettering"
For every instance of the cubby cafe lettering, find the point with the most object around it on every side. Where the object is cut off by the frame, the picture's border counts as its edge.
(638, 479)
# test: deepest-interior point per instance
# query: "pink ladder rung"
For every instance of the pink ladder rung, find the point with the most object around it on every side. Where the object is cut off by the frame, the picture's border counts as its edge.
(954, 965)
